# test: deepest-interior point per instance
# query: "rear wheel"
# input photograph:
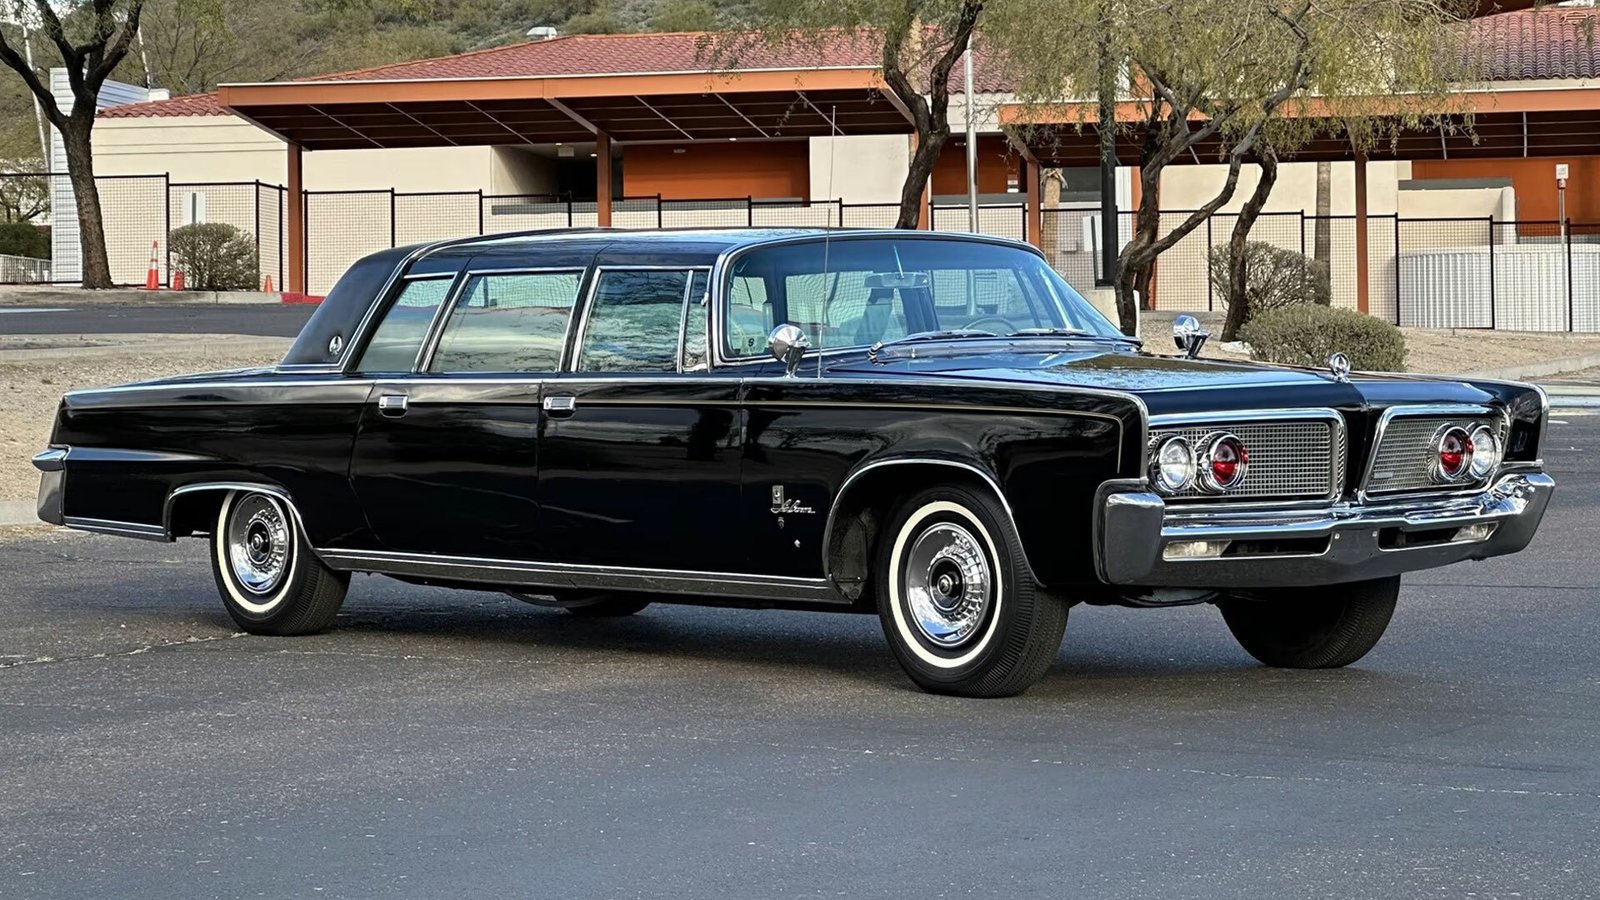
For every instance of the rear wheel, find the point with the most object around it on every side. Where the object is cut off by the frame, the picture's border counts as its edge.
(1321, 627)
(270, 581)
(957, 601)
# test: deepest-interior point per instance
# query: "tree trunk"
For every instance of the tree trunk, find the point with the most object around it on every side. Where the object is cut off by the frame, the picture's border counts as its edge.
(923, 159)
(1136, 262)
(91, 227)
(1049, 222)
(1322, 239)
(1238, 273)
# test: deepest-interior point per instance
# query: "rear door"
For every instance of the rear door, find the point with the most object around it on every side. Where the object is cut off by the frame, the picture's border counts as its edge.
(639, 462)
(447, 457)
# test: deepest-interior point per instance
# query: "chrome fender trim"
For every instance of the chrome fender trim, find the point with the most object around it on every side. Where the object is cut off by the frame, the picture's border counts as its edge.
(987, 476)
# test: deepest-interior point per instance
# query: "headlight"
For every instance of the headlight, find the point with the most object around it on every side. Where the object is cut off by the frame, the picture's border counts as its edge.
(1452, 454)
(1172, 465)
(1222, 463)
(1485, 452)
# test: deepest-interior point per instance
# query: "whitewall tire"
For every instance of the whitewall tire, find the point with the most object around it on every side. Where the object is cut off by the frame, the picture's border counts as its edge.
(270, 581)
(958, 604)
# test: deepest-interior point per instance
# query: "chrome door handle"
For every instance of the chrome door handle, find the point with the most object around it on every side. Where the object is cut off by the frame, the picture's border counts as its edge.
(560, 405)
(393, 405)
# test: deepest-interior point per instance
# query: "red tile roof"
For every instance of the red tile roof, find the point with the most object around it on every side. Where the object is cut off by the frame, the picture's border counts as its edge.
(587, 54)
(1554, 42)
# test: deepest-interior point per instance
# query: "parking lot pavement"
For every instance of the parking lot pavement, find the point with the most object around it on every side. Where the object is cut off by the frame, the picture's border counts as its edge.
(263, 320)
(463, 744)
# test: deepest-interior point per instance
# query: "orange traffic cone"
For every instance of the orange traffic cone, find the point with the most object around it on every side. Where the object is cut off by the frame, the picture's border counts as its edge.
(177, 280)
(266, 286)
(152, 279)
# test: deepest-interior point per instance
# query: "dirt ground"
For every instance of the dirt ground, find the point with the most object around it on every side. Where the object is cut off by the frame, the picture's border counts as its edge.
(30, 392)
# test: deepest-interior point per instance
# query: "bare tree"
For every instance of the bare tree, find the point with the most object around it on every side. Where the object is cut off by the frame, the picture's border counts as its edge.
(92, 40)
(1207, 81)
(921, 41)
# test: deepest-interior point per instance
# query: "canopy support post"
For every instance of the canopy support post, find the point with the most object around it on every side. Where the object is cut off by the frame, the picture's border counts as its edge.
(296, 203)
(602, 179)
(1362, 262)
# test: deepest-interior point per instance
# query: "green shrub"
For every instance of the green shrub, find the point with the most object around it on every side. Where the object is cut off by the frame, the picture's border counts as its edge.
(1306, 335)
(1274, 277)
(23, 239)
(215, 257)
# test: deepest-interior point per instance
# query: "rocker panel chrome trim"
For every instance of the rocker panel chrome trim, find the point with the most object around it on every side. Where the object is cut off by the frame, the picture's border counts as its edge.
(528, 573)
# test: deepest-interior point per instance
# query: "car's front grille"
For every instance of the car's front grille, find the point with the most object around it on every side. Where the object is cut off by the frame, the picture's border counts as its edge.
(1290, 459)
(1405, 452)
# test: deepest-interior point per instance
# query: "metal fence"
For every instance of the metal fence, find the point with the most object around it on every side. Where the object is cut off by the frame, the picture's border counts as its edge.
(1479, 272)
(138, 215)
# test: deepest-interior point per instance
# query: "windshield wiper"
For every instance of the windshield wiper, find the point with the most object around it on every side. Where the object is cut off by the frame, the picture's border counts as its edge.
(1050, 329)
(872, 352)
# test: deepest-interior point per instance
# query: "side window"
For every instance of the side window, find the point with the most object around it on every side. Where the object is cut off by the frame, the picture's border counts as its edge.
(633, 321)
(394, 345)
(750, 317)
(515, 322)
(696, 322)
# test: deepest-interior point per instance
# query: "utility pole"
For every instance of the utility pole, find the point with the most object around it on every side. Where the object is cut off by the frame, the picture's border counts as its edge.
(1108, 159)
(972, 149)
(38, 112)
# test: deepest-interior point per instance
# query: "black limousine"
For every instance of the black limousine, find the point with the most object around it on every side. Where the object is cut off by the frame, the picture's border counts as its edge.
(933, 428)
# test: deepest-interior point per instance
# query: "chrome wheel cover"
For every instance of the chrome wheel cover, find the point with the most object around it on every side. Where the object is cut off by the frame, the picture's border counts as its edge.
(948, 585)
(259, 542)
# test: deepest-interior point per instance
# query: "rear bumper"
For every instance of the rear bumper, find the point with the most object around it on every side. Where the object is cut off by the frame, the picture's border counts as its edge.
(52, 466)
(1136, 533)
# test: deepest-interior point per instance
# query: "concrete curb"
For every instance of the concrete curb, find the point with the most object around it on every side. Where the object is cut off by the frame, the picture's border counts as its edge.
(1541, 369)
(19, 512)
(31, 296)
(190, 348)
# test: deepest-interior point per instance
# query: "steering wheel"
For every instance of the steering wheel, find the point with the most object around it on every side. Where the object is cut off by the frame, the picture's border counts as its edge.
(1005, 322)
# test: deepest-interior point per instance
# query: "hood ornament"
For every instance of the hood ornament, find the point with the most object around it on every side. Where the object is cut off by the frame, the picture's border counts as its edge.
(1339, 365)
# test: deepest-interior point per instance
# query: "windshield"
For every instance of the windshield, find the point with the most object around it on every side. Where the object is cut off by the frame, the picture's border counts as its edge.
(854, 292)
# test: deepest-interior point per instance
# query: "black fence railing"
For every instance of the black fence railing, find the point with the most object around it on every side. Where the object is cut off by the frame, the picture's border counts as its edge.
(1464, 272)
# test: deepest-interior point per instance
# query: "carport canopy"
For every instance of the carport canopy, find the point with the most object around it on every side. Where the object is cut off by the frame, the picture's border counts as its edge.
(634, 89)
(1505, 123)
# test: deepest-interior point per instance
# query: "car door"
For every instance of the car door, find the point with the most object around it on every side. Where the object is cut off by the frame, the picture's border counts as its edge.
(639, 461)
(447, 456)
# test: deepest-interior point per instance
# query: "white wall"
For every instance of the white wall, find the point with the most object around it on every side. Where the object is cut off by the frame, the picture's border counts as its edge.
(859, 169)
(1187, 187)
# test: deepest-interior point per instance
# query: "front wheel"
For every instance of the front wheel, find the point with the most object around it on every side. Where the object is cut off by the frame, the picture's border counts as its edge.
(1322, 627)
(270, 581)
(956, 598)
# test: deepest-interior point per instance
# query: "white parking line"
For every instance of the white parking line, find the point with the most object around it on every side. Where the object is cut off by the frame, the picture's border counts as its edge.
(25, 309)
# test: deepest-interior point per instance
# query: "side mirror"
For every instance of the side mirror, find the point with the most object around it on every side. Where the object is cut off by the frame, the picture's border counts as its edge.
(1188, 335)
(788, 344)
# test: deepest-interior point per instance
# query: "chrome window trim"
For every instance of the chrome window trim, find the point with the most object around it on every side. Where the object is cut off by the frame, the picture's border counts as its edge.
(359, 334)
(570, 351)
(1340, 436)
(1452, 410)
(683, 321)
(430, 343)
(721, 270)
(515, 572)
(988, 478)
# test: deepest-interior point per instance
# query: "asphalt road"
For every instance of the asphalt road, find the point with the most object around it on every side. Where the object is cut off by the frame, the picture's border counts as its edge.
(257, 319)
(443, 744)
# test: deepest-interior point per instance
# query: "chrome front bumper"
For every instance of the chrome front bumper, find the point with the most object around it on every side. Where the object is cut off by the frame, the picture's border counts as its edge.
(1135, 534)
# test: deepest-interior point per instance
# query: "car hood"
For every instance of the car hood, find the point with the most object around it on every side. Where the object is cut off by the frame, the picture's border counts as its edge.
(1173, 384)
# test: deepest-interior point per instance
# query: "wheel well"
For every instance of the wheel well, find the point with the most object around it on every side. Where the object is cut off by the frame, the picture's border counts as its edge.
(860, 513)
(194, 512)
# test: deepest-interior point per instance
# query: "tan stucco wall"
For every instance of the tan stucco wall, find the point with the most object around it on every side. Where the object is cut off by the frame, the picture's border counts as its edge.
(217, 148)
(516, 171)
(1187, 187)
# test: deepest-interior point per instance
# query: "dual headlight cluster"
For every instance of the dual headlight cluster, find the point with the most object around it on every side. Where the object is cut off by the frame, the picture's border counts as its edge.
(1216, 465)
(1461, 455)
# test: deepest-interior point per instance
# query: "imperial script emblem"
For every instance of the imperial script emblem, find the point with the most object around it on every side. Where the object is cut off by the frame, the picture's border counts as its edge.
(781, 506)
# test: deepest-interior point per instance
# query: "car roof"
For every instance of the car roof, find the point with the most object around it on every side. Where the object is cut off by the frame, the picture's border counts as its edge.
(620, 246)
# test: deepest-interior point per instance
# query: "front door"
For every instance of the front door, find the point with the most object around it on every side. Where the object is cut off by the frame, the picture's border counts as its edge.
(640, 463)
(446, 461)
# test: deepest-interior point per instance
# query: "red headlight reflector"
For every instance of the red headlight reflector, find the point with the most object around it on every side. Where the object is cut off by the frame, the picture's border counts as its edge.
(1223, 462)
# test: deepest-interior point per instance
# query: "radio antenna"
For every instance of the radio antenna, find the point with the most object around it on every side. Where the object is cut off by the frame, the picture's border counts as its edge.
(827, 230)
